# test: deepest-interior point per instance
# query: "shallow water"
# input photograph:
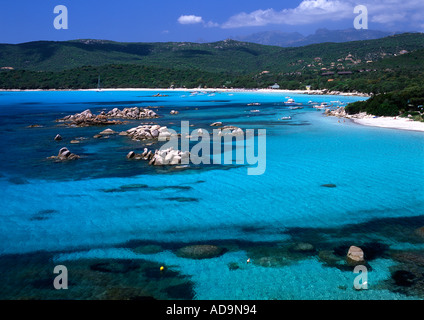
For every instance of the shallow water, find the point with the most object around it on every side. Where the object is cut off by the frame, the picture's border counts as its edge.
(97, 206)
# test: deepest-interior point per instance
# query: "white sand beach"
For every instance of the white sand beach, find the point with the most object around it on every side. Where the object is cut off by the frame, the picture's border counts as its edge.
(282, 91)
(391, 122)
(383, 122)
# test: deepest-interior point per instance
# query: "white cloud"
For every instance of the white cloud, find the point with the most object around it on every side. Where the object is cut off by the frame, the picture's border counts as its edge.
(308, 11)
(190, 19)
(211, 24)
(386, 12)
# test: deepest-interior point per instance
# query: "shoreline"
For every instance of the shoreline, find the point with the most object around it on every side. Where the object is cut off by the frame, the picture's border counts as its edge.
(306, 92)
(391, 123)
(364, 119)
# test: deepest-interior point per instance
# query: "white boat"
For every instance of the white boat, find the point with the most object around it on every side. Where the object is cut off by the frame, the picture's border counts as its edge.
(286, 118)
(295, 108)
(255, 110)
(323, 105)
(254, 104)
(291, 102)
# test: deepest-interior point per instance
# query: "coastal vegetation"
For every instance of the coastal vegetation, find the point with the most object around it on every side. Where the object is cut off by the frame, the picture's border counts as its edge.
(391, 69)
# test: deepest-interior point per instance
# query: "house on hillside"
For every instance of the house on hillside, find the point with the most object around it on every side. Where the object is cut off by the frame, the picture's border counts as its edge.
(344, 73)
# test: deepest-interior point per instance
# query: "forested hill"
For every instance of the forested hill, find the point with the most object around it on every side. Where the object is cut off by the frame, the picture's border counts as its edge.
(224, 56)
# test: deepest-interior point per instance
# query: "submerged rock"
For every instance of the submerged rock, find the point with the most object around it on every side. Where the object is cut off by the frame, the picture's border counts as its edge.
(272, 262)
(200, 251)
(329, 185)
(125, 294)
(329, 258)
(183, 199)
(403, 278)
(302, 247)
(107, 132)
(233, 266)
(148, 249)
(420, 232)
(118, 266)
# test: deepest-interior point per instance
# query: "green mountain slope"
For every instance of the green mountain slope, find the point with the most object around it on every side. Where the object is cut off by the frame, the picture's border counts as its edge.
(224, 56)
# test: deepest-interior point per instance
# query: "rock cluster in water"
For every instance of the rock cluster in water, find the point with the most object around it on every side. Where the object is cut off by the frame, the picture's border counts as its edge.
(160, 157)
(65, 154)
(147, 132)
(355, 256)
(87, 118)
(132, 113)
(339, 112)
(230, 130)
(200, 251)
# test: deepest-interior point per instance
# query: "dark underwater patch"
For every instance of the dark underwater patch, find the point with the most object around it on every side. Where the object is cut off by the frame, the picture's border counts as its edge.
(118, 266)
(126, 188)
(43, 215)
(135, 187)
(181, 291)
(182, 199)
(18, 180)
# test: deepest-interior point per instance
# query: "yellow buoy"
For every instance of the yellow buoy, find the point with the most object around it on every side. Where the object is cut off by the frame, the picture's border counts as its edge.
(162, 268)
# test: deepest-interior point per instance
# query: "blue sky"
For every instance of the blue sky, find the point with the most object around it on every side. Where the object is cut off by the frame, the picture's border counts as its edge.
(189, 20)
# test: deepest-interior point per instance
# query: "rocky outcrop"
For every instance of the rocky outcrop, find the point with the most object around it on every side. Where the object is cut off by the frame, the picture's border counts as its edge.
(87, 118)
(65, 154)
(216, 124)
(230, 130)
(339, 112)
(168, 157)
(132, 113)
(58, 137)
(200, 251)
(355, 256)
(147, 132)
(160, 157)
(107, 132)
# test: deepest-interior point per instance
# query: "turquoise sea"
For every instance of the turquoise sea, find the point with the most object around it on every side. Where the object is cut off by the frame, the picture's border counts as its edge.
(113, 222)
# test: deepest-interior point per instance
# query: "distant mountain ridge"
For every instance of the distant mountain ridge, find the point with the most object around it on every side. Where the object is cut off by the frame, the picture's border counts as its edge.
(227, 56)
(295, 39)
